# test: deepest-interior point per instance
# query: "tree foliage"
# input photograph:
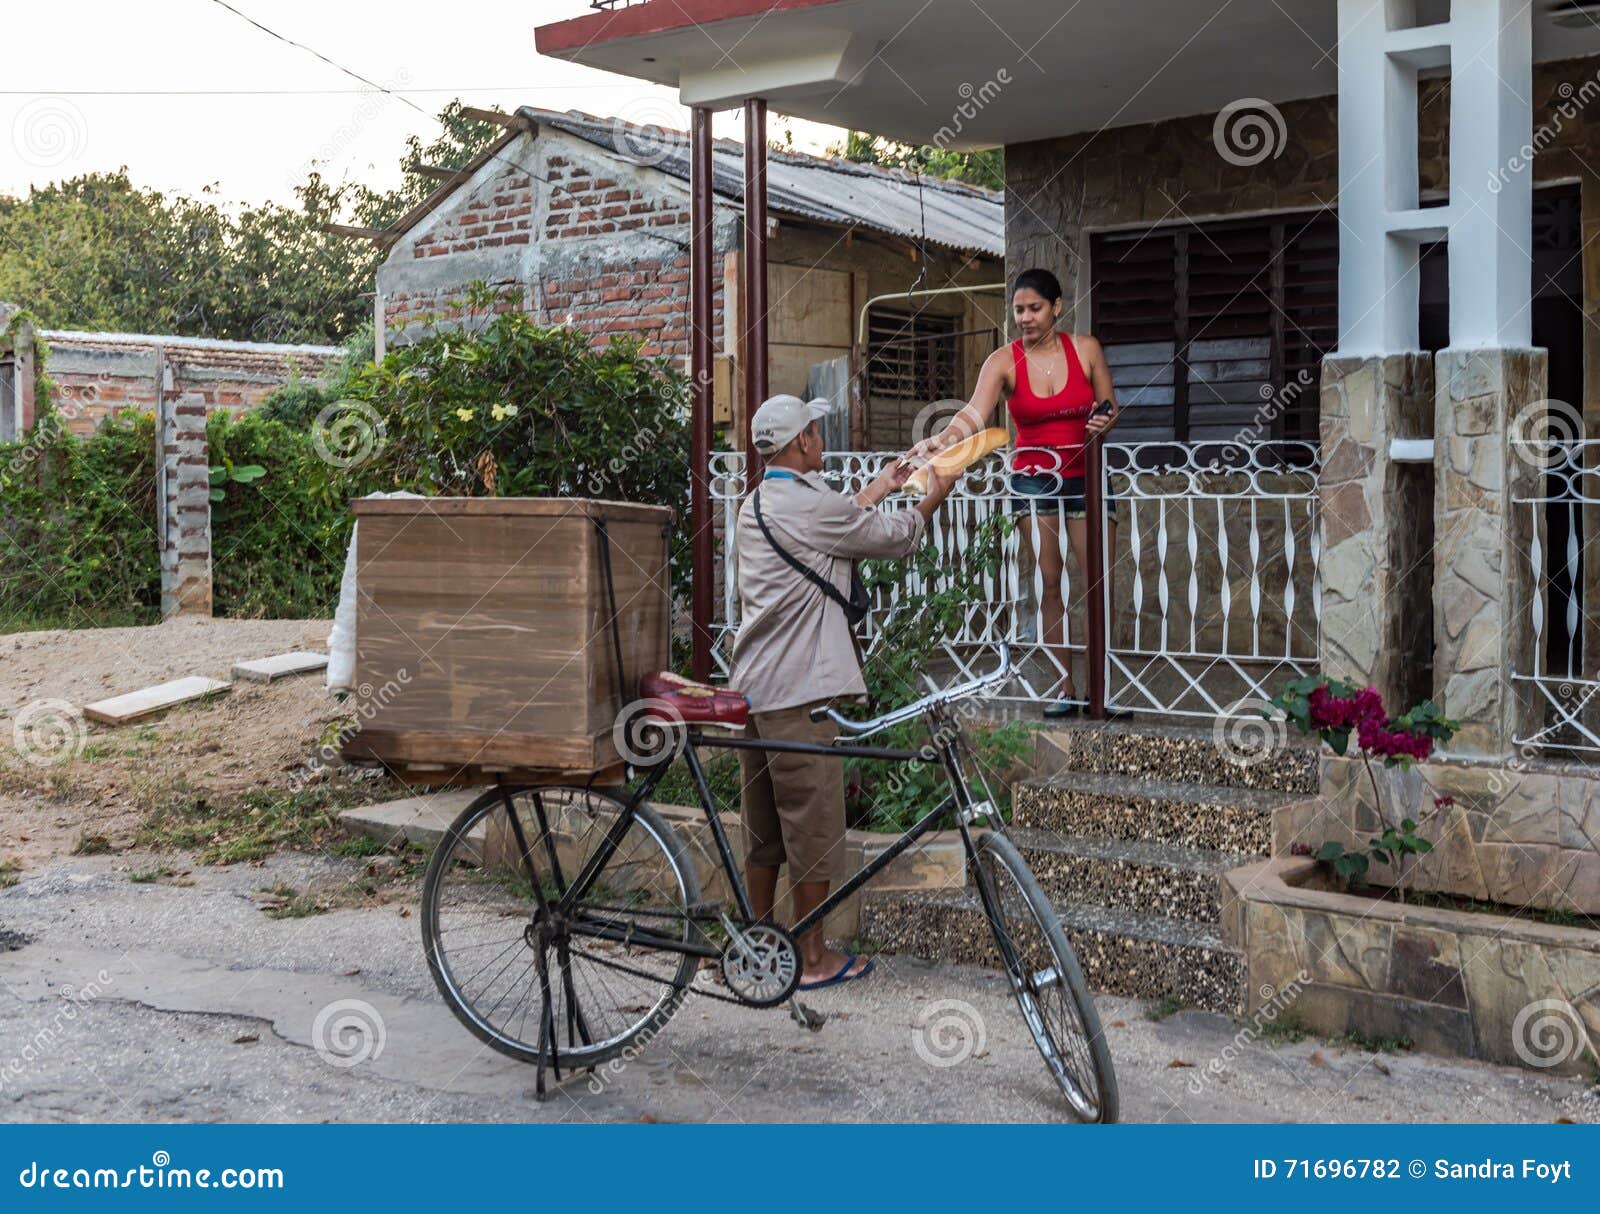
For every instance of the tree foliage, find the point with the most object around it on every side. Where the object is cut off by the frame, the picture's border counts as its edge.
(102, 252)
(986, 168)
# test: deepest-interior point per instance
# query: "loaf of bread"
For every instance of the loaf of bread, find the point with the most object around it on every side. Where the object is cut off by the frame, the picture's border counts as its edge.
(958, 458)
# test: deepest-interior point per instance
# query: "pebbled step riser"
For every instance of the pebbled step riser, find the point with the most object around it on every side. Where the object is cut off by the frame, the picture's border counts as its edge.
(1095, 814)
(1093, 881)
(1113, 963)
(1180, 756)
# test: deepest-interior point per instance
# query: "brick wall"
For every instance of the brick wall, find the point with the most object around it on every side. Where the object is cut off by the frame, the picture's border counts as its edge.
(94, 374)
(576, 251)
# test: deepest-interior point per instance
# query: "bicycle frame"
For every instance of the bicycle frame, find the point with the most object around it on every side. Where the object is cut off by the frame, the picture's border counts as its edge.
(943, 748)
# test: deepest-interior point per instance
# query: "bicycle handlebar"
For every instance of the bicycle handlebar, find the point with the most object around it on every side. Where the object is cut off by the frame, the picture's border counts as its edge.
(915, 709)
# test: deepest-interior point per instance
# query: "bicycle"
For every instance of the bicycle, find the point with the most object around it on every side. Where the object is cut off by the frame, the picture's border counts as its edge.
(609, 955)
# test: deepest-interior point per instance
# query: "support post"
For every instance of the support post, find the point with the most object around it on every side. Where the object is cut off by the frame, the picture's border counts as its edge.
(755, 272)
(1095, 533)
(701, 287)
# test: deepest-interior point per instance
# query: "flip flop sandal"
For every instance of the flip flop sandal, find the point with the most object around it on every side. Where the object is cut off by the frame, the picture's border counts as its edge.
(844, 975)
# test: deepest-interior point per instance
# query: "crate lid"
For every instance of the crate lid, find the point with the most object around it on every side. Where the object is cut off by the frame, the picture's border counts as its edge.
(456, 507)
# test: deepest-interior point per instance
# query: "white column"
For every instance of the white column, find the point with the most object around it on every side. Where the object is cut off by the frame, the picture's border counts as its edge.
(1491, 180)
(1487, 45)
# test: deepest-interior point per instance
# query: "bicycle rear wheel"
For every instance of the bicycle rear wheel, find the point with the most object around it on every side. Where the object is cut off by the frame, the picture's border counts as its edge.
(1047, 981)
(521, 977)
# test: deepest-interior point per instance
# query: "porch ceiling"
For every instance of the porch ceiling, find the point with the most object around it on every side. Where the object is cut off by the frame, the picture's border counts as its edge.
(901, 67)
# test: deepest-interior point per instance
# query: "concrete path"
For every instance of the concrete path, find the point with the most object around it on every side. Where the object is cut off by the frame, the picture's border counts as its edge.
(126, 1002)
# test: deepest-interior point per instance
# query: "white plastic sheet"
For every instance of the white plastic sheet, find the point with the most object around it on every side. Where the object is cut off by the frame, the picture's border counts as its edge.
(342, 639)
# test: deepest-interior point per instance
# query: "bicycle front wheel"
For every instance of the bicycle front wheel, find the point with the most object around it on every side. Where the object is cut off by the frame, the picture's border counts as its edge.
(1046, 980)
(526, 979)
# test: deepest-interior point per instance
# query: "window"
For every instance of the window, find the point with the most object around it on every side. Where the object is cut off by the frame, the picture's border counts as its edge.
(913, 356)
(1216, 331)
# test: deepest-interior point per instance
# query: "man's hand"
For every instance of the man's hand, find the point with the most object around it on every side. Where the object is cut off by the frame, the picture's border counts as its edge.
(891, 480)
(939, 486)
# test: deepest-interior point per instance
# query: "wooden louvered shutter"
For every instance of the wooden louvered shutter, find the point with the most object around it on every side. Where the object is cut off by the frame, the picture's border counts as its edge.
(1214, 331)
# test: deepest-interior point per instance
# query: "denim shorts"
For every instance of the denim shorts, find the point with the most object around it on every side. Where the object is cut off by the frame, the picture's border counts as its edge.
(1049, 492)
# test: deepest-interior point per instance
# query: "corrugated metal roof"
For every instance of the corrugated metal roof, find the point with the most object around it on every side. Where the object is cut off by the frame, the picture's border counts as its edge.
(948, 213)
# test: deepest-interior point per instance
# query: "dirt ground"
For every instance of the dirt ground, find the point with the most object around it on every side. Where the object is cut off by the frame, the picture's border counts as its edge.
(103, 781)
(210, 980)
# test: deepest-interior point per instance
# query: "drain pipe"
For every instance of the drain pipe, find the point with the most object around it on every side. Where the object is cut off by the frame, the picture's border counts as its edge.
(861, 320)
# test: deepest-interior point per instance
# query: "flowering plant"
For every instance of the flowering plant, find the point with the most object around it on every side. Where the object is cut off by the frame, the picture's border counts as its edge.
(1333, 709)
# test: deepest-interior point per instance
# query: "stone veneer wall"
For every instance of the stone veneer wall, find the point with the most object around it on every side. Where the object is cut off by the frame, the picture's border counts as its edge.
(1522, 835)
(1483, 591)
(1453, 982)
(1374, 540)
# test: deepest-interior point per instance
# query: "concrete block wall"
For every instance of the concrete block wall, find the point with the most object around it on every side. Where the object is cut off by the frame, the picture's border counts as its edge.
(95, 374)
(186, 505)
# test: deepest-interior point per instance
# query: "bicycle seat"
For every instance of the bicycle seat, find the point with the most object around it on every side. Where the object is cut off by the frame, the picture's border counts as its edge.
(693, 703)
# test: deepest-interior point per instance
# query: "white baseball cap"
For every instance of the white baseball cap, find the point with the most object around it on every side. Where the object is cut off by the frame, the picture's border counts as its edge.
(781, 418)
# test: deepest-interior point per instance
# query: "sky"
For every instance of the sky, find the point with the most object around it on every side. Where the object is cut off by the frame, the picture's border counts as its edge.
(186, 94)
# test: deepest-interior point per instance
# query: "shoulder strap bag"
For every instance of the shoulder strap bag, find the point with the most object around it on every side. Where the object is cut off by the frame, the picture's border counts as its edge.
(855, 607)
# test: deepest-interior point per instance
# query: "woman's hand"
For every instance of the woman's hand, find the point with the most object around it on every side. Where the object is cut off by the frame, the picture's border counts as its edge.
(929, 447)
(1099, 423)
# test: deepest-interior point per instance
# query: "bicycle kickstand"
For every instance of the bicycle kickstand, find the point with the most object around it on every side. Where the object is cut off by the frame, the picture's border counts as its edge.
(806, 1017)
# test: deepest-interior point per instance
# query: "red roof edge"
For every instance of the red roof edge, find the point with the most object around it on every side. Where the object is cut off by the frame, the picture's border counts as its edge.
(653, 17)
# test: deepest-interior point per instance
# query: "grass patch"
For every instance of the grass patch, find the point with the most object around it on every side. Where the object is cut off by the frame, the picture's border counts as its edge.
(250, 828)
(1356, 1040)
(1283, 1030)
(358, 845)
(297, 904)
(144, 876)
(10, 872)
(91, 845)
(1159, 1009)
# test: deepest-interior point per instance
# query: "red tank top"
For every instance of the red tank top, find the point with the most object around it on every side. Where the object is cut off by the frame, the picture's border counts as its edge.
(1057, 422)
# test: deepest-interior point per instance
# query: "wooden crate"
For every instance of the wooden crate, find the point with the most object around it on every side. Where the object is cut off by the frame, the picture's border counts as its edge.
(488, 622)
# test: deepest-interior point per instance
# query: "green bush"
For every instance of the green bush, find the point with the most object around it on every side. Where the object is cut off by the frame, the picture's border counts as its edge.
(278, 541)
(78, 540)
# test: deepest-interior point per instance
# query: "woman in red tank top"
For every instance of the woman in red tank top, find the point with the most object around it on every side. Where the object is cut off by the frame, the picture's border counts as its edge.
(1051, 382)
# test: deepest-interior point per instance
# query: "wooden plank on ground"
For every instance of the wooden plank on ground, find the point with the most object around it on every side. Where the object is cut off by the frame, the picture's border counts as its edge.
(120, 709)
(265, 670)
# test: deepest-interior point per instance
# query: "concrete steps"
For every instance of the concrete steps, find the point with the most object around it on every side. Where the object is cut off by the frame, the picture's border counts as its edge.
(1128, 875)
(1121, 952)
(1098, 805)
(1184, 754)
(1129, 828)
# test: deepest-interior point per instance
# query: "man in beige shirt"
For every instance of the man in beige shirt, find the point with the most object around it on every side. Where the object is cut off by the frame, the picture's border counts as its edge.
(794, 652)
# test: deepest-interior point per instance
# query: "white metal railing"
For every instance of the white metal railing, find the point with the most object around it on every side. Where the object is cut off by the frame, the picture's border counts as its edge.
(1569, 483)
(1215, 597)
